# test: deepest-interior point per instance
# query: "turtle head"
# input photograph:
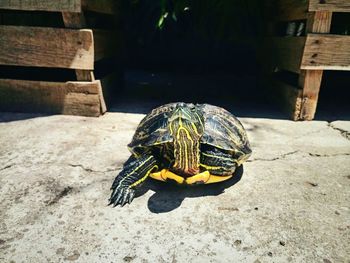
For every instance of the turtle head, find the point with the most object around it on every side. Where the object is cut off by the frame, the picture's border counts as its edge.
(186, 126)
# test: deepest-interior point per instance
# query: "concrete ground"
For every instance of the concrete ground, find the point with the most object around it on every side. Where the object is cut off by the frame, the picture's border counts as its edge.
(289, 203)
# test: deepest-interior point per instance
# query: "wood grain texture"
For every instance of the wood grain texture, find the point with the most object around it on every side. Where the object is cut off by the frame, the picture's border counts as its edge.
(287, 52)
(328, 52)
(311, 83)
(73, 98)
(42, 5)
(329, 5)
(46, 47)
(77, 20)
(101, 6)
(310, 80)
(319, 22)
(103, 107)
(84, 75)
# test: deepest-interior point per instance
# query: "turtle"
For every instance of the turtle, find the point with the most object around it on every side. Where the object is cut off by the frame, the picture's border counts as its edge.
(183, 142)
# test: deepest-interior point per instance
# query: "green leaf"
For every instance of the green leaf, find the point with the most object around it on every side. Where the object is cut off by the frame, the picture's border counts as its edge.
(162, 20)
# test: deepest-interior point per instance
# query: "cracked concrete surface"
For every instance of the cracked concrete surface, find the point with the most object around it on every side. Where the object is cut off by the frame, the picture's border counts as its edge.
(289, 203)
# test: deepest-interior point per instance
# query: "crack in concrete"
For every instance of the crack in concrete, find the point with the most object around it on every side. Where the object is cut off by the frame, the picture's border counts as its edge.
(69, 164)
(60, 195)
(283, 156)
(94, 171)
(6, 167)
(273, 159)
(328, 155)
(343, 133)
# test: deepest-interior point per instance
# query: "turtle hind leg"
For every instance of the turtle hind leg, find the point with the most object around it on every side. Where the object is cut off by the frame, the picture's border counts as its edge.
(135, 172)
(218, 162)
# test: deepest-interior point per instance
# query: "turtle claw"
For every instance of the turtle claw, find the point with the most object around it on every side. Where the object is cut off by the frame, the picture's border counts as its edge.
(121, 196)
(131, 197)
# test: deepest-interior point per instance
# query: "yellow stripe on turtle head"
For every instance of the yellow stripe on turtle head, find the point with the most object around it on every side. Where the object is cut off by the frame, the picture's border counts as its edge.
(186, 128)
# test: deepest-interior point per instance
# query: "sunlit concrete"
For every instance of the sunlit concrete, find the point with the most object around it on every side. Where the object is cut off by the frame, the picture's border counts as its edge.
(289, 203)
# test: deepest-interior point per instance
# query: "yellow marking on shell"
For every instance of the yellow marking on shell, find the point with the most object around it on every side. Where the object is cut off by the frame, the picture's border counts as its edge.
(195, 128)
(143, 178)
(231, 135)
(240, 129)
(217, 157)
(199, 118)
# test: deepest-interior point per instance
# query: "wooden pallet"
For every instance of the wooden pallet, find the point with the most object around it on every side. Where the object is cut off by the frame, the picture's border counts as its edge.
(307, 55)
(71, 45)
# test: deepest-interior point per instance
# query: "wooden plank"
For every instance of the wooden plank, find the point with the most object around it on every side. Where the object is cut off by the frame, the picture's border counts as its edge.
(46, 47)
(77, 20)
(327, 52)
(286, 53)
(103, 106)
(329, 5)
(42, 5)
(289, 10)
(85, 75)
(310, 81)
(319, 22)
(73, 98)
(100, 6)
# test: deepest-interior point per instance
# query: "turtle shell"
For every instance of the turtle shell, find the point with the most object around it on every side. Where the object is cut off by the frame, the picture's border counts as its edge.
(153, 129)
(223, 130)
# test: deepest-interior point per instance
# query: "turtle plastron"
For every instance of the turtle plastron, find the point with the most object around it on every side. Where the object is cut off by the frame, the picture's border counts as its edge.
(201, 178)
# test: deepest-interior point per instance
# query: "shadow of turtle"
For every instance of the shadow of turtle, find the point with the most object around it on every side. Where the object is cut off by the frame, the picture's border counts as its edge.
(168, 196)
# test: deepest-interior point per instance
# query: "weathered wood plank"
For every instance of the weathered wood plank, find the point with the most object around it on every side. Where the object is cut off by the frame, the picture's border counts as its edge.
(85, 75)
(46, 47)
(42, 5)
(327, 52)
(329, 5)
(310, 80)
(77, 20)
(101, 6)
(101, 96)
(319, 22)
(287, 52)
(73, 98)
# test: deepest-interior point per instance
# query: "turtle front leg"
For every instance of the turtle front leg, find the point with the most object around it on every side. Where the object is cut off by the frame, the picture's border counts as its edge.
(135, 172)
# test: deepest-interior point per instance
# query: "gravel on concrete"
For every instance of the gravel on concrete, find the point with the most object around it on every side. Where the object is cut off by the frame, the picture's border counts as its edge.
(289, 203)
